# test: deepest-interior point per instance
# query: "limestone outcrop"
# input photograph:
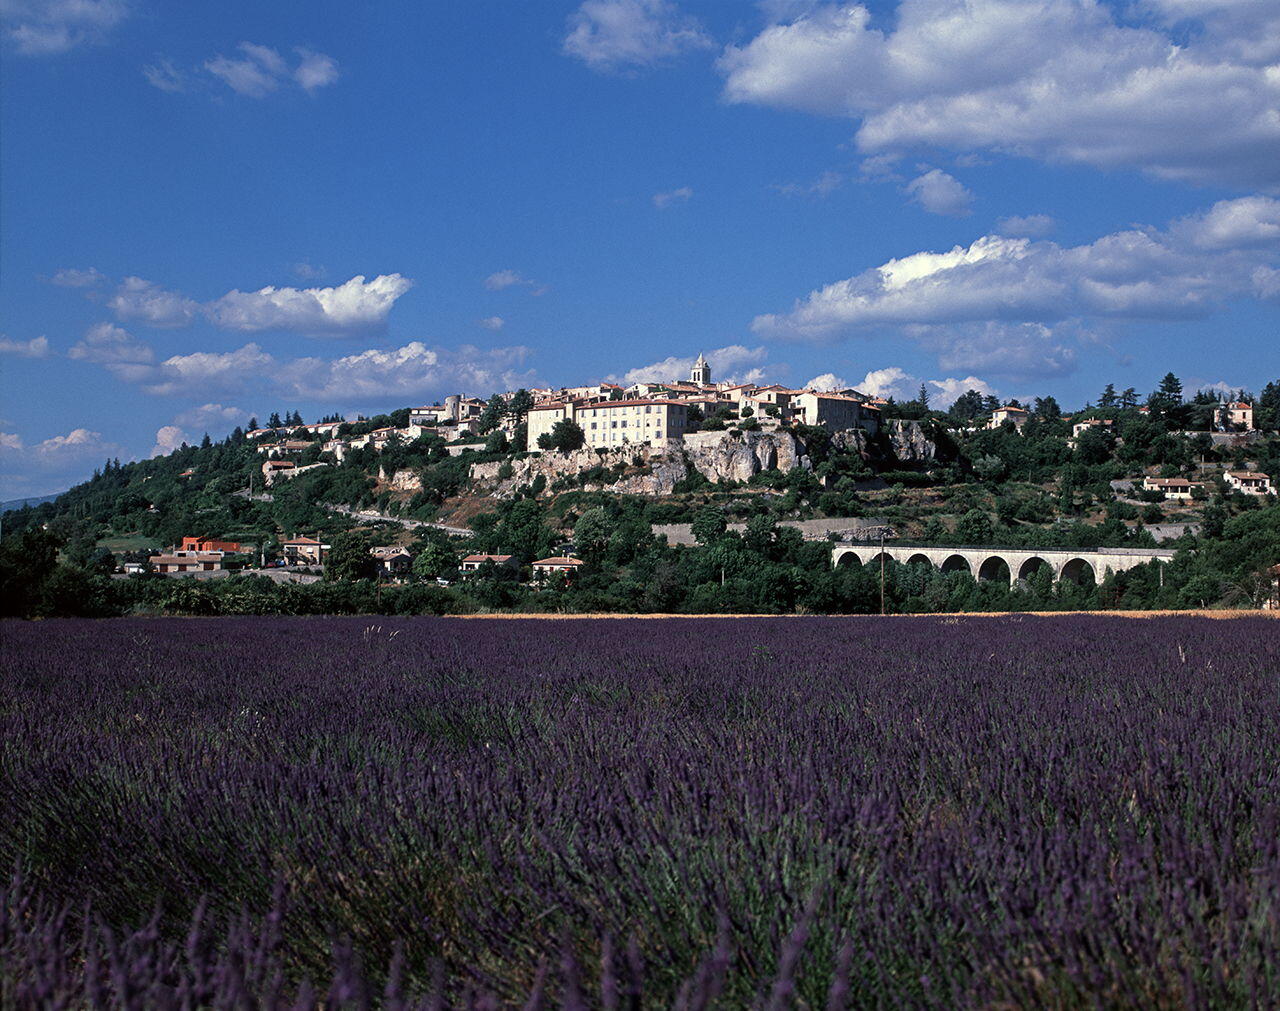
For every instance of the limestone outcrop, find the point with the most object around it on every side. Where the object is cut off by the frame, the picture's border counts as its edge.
(909, 442)
(401, 480)
(656, 470)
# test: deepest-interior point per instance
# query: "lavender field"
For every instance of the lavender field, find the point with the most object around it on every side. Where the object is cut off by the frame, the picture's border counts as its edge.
(1067, 811)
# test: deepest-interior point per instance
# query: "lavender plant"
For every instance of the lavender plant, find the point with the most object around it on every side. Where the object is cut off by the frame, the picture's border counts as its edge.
(1064, 812)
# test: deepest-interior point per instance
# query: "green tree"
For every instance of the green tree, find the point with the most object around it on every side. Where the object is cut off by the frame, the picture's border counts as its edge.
(521, 404)
(27, 561)
(494, 411)
(1047, 409)
(708, 525)
(496, 442)
(1109, 397)
(349, 559)
(565, 435)
(967, 406)
(435, 559)
(1266, 411)
(974, 527)
(591, 533)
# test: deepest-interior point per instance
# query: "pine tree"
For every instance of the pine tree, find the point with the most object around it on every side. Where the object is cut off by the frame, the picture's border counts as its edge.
(1129, 399)
(923, 397)
(1108, 398)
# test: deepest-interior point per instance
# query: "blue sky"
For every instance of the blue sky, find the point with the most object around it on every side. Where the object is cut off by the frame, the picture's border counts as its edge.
(212, 211)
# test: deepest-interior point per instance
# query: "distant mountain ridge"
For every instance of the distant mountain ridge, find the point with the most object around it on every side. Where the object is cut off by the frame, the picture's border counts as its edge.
(18, 503)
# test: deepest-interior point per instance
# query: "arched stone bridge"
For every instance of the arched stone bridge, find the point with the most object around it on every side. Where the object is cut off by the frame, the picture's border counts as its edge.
(1013, 564)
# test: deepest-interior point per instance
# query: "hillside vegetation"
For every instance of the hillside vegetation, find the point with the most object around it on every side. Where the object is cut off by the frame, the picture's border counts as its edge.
(963, 485)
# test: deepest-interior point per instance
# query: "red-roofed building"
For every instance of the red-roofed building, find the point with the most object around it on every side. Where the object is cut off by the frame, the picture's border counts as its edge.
(209, 544)
(546, 567)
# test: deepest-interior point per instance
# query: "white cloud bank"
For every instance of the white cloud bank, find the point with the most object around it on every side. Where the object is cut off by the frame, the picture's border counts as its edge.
(1060, 81)
(355, 307)
(625, 35)
(900, 385)
(733, 363)
(52, 464)
(1008, 302)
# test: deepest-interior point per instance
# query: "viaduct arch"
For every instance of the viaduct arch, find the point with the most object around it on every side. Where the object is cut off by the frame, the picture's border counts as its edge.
(1012, 564)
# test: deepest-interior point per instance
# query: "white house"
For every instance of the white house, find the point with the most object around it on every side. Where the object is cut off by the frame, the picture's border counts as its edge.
(1251, 482)
(1009, 413)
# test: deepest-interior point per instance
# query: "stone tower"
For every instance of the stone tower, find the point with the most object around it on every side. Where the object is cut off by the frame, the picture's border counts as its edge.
(701, 371)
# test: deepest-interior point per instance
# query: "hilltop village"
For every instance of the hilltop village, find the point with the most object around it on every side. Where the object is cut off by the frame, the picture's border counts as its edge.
(690, 494)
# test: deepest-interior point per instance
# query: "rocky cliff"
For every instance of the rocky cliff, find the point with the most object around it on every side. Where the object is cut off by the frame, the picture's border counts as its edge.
(644, 470)
(717, 456)
(899, 442)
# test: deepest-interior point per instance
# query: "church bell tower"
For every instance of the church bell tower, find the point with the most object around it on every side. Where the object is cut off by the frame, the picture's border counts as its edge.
(701, 371)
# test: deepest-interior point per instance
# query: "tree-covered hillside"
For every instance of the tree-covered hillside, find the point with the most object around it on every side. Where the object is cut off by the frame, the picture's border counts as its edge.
(367, 483)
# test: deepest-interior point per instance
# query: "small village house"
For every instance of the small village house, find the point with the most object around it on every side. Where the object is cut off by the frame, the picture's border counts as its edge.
(393, 560)
(1008, 413)
(187, 561)
(474, 563)
(545, 568)
(1250, 482)
(1173, 488)
(304, 551)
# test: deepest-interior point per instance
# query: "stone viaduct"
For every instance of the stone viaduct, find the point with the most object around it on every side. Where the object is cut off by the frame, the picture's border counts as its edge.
(1013, 564)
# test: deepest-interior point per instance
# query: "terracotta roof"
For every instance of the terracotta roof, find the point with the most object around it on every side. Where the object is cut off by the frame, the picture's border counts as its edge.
(1248, 475)
(300, 540)
(559, 561)
(1020, 410)
(487, 558)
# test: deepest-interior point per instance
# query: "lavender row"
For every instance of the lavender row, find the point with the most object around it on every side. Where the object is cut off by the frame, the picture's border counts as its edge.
(1063, 811)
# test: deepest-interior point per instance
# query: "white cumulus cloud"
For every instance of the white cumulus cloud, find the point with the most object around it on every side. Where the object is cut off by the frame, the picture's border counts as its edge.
(1063, 81)
(315, 70)
(378, 376)
(37, 347)
(358, 306)
(733, 363)
(493, 322)
(940, 193)
(1017, 306)
(500, 280)
(108, 344)
(70, 277)
(621, 35)
(151, 304)
(49, 27)
(826, 382)
(1030, 226)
